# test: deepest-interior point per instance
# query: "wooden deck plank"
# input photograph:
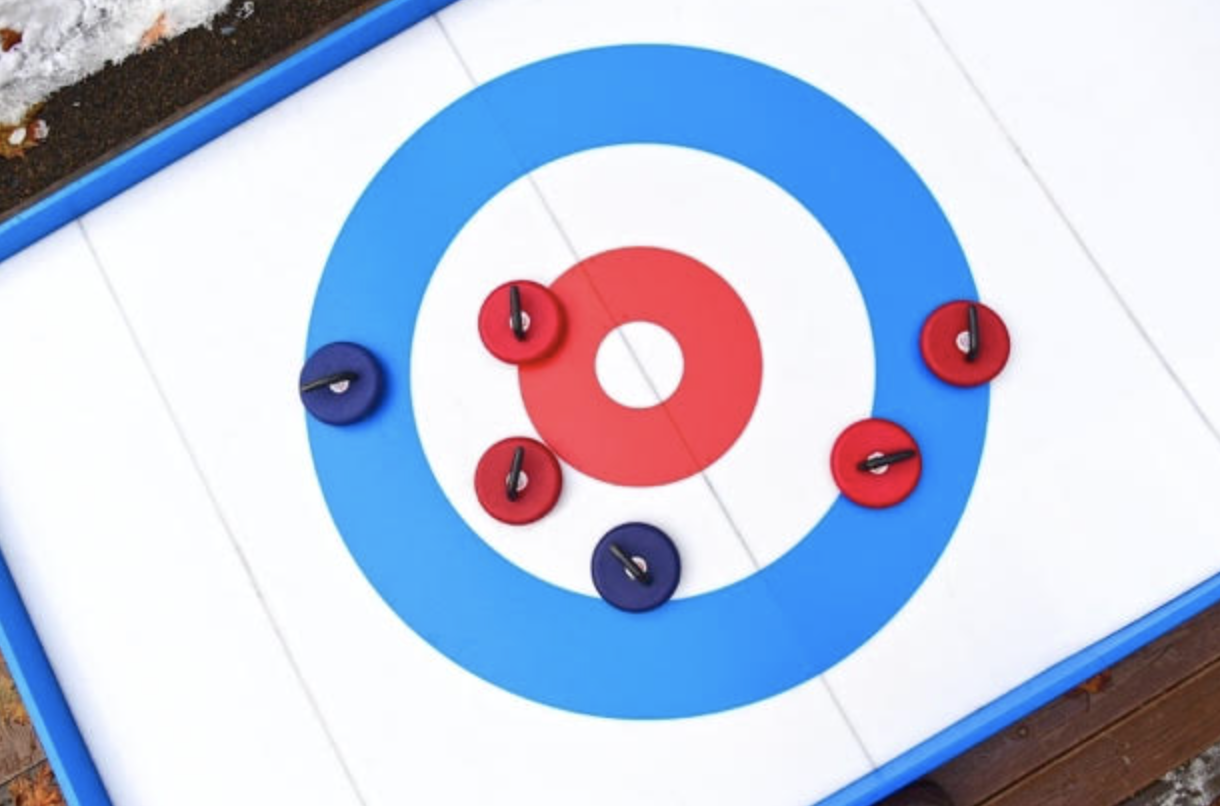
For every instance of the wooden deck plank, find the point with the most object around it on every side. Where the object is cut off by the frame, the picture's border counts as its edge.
(1124, 758)
(1196, 783)
(1052, 731)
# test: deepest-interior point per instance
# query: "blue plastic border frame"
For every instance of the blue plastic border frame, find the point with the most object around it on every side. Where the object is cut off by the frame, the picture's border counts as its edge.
(44, 701)
(36, 681)
(1025, 699)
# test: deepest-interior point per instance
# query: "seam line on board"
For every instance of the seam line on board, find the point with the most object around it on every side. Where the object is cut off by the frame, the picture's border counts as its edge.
(576, 256)
(243, 560)
(822, 679)
(1076, 235)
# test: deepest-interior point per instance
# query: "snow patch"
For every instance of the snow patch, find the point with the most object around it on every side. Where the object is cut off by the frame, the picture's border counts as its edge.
(1196, 783)
(62, 41)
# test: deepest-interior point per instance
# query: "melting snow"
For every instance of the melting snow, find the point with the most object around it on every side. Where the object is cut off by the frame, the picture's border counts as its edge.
(62, 41)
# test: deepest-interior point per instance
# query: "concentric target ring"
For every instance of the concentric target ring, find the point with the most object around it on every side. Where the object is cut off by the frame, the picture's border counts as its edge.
(714, 400)
(792, 619)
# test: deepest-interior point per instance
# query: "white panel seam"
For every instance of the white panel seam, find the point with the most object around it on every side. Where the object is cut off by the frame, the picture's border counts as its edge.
(234, 544)
(1061, 212)
(732, 523)
(639, 364)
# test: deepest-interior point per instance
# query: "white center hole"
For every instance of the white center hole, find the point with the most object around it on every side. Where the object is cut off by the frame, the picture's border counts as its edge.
(656, 350)
(640, 563)
(878, 471)
(523, 481)
(525, 321)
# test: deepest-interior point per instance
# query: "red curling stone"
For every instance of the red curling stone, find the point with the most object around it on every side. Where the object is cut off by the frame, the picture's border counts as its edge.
(542, 323)
(538, 489)
(945, 342)
(882, 486)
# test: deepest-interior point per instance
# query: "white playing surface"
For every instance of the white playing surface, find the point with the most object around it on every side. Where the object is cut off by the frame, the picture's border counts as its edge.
(158, 503)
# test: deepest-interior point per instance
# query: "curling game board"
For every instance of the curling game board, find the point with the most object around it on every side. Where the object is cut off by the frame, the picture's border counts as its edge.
(616, 401)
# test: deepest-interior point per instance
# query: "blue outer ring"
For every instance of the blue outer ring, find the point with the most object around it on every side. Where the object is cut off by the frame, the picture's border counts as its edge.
(738, 644)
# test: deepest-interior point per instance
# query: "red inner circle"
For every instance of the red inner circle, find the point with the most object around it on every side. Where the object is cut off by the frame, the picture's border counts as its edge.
(706, 413)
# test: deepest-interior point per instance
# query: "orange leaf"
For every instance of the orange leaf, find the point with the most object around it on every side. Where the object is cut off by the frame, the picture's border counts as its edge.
(12, 711)
(1096, 685)
(38, 789)
(9, 39)
(16, 140)
(158, 31)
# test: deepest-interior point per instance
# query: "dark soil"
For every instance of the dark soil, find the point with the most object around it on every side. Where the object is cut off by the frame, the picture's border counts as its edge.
(123, 104)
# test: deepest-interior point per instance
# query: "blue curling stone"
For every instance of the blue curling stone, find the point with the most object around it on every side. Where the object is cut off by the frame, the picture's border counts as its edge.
(341, 383)
(652, 552)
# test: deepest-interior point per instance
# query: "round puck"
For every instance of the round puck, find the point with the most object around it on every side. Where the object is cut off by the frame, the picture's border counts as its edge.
(953, 354)
(636, 567)
(876, 463)
(538, 484)
(341, 383)
(521, 322)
